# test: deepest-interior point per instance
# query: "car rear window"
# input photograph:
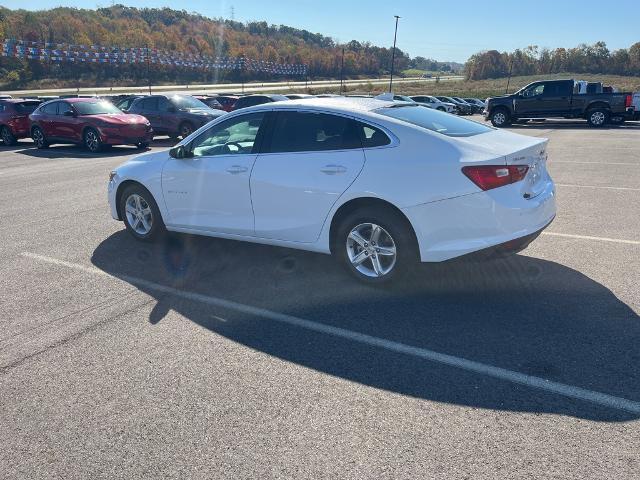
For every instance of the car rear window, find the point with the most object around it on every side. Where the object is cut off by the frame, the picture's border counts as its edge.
(434, 120)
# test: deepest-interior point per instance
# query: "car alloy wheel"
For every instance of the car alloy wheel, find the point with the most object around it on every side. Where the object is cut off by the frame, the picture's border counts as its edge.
(139, 214)
(499, 118)
(598, 118)
(38, 138)
(92, 141)
(7, 137)
(371, 250)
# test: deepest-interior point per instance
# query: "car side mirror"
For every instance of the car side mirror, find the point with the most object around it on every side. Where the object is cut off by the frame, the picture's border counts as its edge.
(180, 152)
(69, 113)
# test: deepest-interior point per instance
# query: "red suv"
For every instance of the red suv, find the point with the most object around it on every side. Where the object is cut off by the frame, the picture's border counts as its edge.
(89, 121)
(14, 119)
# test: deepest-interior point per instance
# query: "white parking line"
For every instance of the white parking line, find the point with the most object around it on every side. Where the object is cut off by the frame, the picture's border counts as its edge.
(588, 237)
(538, 383)
(597, 186)
(595, 163)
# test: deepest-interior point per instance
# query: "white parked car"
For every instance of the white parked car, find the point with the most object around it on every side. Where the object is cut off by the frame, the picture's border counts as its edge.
(433, 102)
(378, 184)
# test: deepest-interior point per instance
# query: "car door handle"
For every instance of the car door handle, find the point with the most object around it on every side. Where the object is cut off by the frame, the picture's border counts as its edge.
(333, 169)
(236, 169)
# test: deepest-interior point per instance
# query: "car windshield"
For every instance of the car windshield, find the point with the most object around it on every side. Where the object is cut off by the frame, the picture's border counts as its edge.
(435, 120)
(95, 108)
(186, 102)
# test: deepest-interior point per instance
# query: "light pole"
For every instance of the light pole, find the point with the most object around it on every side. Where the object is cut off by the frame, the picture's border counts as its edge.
(393, 54)
(342, 71)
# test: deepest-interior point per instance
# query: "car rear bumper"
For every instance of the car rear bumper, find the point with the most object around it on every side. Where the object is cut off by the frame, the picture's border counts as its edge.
(470, 223)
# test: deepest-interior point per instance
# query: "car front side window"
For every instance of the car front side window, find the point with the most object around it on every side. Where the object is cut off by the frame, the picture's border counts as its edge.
(234, 136)
(313, 132)
(534, 90)
(63, 108)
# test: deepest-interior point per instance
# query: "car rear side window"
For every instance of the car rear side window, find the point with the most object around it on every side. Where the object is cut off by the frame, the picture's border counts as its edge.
(372, 136)
(435, 120)
(313, 132)
(50, 108)
(26, 107)
(150, 104)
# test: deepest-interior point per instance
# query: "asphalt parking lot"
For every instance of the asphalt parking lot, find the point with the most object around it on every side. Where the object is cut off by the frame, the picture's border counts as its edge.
(204, 358)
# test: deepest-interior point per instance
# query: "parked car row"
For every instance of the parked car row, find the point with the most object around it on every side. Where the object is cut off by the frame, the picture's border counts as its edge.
(456, 105)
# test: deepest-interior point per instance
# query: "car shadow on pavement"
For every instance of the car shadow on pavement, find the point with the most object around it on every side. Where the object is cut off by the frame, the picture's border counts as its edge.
(520, 313)
(77, 151)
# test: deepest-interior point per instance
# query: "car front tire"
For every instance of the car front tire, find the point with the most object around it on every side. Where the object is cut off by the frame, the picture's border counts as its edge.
(140, 213)
(375, 245)
(92, 140)
(500, 118)
(38, 138)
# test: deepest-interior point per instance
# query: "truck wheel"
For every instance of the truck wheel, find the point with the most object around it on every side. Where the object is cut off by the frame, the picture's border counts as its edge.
(500, 118)
(597, 118)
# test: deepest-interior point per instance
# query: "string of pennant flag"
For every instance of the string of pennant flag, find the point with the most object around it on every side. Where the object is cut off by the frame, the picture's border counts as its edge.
(57, 52)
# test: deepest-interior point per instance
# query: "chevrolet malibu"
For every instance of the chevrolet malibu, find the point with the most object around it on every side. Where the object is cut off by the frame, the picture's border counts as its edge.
(91, 122)
(378, 184)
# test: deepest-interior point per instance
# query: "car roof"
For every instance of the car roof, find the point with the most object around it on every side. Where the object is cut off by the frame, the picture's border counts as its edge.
(82, 100)
(18, 100)
(335, 104)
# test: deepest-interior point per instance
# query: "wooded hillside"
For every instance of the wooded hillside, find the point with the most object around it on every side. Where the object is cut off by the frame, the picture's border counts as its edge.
(178, 31)
(596, 59)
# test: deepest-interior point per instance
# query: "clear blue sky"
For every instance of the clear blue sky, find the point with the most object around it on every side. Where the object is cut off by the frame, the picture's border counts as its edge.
(444, 30)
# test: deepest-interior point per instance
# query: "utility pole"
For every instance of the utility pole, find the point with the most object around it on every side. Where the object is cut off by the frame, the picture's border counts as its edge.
(148, 70)
(393, 54)
(342, 71)
(509, 77)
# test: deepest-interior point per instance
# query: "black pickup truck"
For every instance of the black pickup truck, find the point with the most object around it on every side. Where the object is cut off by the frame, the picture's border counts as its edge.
(559, 99)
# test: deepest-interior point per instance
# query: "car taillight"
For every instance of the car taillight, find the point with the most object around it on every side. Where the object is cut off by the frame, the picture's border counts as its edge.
(493, 176)
(627, 101)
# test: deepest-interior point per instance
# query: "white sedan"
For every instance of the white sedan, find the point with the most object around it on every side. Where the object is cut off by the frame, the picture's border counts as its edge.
(378, 184)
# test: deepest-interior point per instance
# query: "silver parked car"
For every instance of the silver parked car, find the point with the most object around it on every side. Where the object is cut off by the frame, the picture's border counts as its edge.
(433, 102)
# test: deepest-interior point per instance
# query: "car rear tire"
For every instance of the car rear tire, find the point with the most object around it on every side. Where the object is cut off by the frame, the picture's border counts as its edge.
(500, 118)
(92, 140)
(140, 213)
(8, 138)
(38, 138)
(186, 129)
(597, 118)
(375, 245)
